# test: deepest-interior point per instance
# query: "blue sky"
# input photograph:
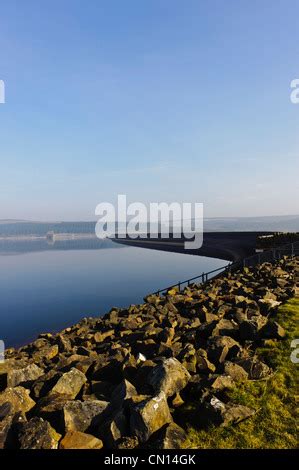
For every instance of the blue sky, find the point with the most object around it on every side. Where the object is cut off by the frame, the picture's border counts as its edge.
(162, 100)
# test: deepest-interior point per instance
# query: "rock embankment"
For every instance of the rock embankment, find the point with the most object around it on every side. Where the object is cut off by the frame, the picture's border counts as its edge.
(117, 381)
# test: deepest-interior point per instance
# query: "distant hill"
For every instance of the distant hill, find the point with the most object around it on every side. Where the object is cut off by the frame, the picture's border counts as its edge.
(288, 223)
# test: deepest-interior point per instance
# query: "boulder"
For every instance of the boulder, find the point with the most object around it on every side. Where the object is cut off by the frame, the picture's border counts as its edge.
(235, 371)
(255, 368)
(221, 348)
(38, 434)
(220, 382)
(69, 384)
(170, 436)
(47, 352)
(19, 399)
(80, 440)
(170, 376)
(83, 416)
(99, 337)
(24, 376)
(148, 416)
(222, 414)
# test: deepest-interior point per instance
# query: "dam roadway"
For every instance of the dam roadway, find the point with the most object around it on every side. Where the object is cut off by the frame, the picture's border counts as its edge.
(229, 246)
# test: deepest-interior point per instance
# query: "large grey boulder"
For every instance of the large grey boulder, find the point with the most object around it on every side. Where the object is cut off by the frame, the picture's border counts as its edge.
(24, 376)
(148, 416)
(169, 377)
(81, 416)
(69, 384)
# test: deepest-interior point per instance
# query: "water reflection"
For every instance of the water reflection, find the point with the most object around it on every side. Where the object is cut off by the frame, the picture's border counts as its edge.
(46, 287)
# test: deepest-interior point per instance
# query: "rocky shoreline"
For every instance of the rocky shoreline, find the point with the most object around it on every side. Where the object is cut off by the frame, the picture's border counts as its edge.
(117, 381)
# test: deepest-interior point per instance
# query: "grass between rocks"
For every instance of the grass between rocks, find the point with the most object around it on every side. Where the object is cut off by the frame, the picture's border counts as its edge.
(275, 400)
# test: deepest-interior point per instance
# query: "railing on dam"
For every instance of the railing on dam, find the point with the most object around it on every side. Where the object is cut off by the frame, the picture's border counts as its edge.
(270, 256)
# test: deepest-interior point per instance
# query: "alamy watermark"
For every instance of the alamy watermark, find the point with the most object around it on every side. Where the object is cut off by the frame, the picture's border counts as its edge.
(295, 353)
(295, 91)
(2, 350)
(2, 92)
(152, 221)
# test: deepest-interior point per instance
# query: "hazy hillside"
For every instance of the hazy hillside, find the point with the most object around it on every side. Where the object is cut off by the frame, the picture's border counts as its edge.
(272, 223)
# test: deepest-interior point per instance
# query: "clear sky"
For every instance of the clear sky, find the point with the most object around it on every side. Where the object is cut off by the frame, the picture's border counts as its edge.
(162, 100)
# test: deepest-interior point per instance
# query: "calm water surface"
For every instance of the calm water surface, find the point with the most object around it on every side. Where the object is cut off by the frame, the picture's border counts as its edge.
(45, 291)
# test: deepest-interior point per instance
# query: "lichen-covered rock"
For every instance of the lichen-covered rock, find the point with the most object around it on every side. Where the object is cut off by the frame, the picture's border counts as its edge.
(19, 399)
(38, 434)
(148, 416)
(255, 368)
(24, 376)
(223, 414)
(46, 352)
(220, 382)
(235, 371)
(81, 416)
(169, 377)
(69, 384)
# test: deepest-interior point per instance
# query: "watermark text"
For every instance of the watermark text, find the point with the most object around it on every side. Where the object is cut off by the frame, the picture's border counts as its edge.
(155, 220)
(295, 91)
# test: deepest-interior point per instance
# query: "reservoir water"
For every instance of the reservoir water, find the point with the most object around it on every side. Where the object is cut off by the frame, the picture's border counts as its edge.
(46, 288)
